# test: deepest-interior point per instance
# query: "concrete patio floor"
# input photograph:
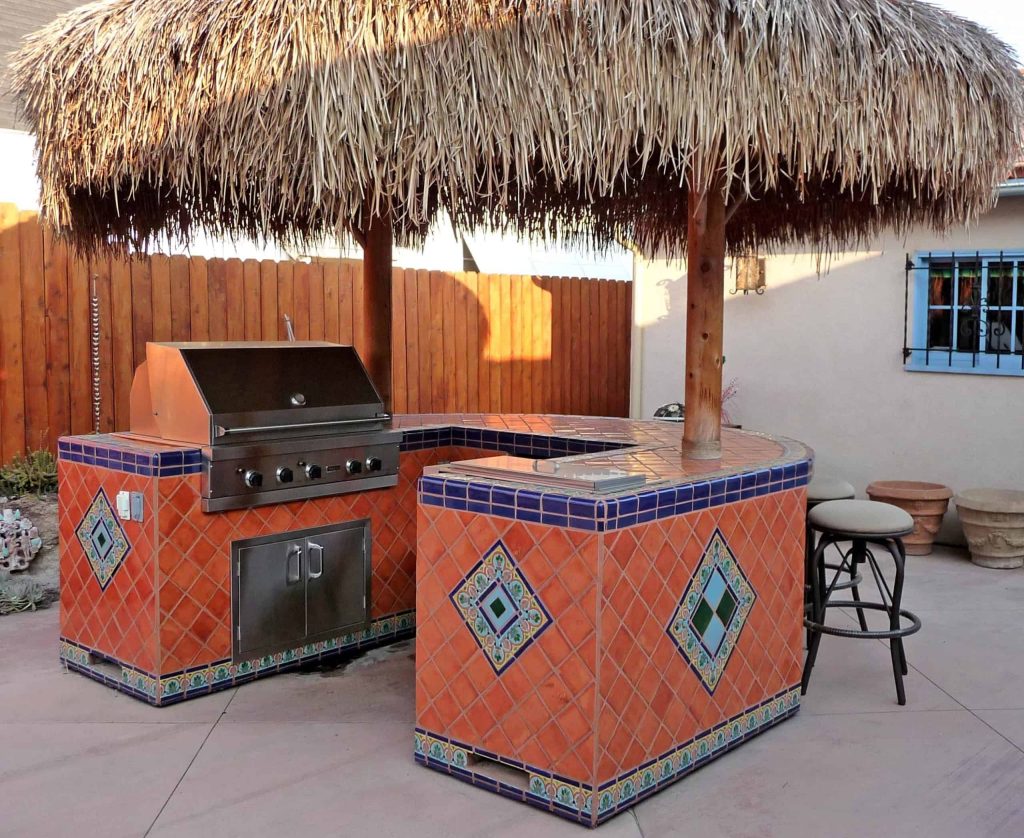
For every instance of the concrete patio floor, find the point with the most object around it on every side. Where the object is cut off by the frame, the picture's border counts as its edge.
(331, 753)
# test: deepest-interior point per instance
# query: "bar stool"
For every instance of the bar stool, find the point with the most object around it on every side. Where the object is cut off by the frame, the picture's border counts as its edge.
(863, 522)
(821, 489)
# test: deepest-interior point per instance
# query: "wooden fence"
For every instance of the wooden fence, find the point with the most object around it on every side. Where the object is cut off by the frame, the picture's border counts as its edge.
(462, 341)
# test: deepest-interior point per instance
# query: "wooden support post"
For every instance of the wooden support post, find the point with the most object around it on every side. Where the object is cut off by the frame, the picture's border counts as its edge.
(705, 307)
(376, 303)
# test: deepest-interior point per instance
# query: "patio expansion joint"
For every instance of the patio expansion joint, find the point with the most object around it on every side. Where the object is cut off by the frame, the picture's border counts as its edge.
(191, 762)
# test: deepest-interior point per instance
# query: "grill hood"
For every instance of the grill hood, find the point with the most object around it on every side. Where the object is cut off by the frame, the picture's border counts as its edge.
(213, 393)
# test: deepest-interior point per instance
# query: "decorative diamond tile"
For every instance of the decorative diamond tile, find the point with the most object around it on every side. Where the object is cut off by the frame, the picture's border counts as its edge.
(501, 609)
(713, 611)
(102, 539)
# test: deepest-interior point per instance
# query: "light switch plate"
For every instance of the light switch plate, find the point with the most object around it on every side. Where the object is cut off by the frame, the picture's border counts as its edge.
(124, 510)
(136, 506)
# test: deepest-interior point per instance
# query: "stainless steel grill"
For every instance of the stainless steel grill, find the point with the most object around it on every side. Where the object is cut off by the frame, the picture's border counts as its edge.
(275, 421)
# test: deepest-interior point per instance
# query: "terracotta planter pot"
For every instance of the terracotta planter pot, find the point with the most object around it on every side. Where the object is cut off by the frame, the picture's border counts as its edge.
(926, 503)
(993, 521)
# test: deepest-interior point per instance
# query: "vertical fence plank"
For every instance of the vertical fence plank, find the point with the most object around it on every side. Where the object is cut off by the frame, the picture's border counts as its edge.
(448, 329)
(285, 298)
(123, 342)
(483, 329)
(58, 358)
(360, 334)
(332, 331)
(110, 384)
(622, 373)
(412, 354)
(507, 321)
(12, 372)
(181, 305)
(438, 383)
(316, 301)
(199, 299)
(160, 273)
(345, 314)
(423, 305)
(576, 346)
(399, 356)
(301, 297)
(541, 348)
(596, 339)
(234, 287)
(33, 312)
(79, 281)
(495, 347)
(470, 308)
(251, 307)
(142, 308)
(217, 299)
(558, 350)
(268, 300)
(606, 359)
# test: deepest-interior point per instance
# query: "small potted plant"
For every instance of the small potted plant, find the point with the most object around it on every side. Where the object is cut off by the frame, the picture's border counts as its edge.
(926, 502)
(993, 521)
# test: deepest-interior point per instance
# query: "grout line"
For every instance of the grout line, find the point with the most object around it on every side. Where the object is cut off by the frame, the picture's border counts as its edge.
(636, 819)
(191, 762)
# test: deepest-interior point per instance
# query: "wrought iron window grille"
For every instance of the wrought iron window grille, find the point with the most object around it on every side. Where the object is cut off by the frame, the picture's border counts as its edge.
(967, 311)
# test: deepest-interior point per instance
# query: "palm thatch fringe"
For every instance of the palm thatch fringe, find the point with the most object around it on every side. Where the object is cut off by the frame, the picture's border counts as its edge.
(584, 119)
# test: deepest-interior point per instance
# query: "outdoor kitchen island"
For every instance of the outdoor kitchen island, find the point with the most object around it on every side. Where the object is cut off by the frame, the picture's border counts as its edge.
(576, 651)
(579, 651)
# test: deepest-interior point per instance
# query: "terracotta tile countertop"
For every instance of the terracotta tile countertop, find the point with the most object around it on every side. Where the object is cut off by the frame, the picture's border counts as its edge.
(652, 448)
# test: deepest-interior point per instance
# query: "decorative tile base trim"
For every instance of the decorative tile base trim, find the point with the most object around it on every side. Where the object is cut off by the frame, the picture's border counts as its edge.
(575, 800)
(161, 691)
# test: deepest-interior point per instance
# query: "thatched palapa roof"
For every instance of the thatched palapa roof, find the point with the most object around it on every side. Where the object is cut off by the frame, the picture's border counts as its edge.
(587, 117)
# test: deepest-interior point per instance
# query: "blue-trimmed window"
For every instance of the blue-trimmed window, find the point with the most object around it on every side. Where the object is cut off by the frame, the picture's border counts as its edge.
(968, 312)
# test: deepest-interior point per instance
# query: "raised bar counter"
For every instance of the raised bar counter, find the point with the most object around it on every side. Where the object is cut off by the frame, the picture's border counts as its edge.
(577, 651)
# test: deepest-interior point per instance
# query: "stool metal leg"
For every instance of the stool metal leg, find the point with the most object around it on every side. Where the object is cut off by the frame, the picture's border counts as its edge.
(857, 556)
(899, 666)
(817, 578)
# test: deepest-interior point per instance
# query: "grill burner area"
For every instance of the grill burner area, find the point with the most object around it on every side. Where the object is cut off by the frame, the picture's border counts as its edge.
(276, 421)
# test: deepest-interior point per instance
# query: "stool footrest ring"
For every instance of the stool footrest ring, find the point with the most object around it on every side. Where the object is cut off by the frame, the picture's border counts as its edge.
(882, 634)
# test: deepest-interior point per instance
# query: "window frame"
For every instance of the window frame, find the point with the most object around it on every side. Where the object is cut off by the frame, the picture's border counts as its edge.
(957, 361)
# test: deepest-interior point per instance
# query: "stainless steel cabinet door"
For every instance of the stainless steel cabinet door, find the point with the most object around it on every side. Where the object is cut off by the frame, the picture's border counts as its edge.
(337, 581)
(271, 597)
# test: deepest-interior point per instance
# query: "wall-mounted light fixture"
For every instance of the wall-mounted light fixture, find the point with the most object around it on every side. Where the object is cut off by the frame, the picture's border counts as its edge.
(750, 275)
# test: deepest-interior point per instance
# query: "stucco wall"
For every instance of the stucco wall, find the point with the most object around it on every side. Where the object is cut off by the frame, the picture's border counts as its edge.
(819, 358)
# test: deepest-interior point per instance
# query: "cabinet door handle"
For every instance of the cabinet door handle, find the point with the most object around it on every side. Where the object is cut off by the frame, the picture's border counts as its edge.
(318, 548)
(294, 572)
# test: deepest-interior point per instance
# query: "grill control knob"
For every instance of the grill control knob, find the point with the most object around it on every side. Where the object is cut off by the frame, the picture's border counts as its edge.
(284, 475)
(374, 464)
(253, 479)
(314, 472)
(353, 467)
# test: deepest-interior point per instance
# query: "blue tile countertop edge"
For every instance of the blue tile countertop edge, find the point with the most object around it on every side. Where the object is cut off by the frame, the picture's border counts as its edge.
(614, 512)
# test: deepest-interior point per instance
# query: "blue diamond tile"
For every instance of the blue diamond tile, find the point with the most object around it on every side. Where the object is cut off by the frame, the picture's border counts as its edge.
(500, 608)
(712, 613)
(102, 539)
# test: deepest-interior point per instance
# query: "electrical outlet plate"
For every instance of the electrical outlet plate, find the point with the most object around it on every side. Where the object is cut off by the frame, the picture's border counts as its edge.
(137, 506)
(124, 510)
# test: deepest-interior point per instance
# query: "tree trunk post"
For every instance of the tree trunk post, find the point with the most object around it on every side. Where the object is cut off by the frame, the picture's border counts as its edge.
(376, 303)
(705, 309)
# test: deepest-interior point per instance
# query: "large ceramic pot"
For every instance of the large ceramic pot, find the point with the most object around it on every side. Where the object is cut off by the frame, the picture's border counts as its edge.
(993, 521)
(926, 503)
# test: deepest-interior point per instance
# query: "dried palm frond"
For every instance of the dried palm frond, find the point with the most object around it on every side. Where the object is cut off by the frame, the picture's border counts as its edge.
(585, 119)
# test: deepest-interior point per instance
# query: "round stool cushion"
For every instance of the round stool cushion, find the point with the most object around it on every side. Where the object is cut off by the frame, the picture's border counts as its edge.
(867, 518)
(824, 487)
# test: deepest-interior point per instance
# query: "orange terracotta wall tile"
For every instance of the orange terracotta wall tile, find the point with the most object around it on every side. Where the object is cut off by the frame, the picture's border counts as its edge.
(541, 708)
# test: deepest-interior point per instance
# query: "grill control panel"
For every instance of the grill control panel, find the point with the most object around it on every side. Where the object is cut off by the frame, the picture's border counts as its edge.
(273, 474)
